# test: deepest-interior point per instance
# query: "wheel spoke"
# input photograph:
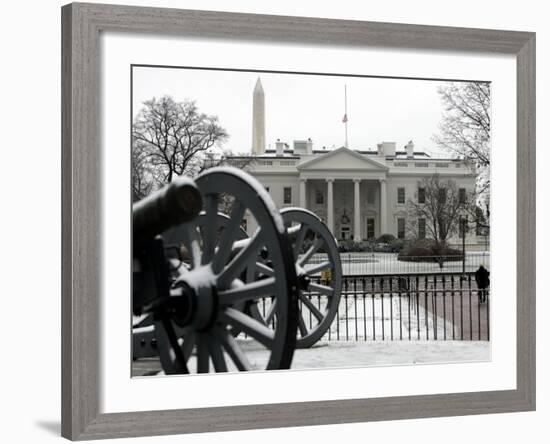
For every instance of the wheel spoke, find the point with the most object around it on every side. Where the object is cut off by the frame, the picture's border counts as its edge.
(191, 241)
(247, 292)
(228, 236)
(293, 229)
(241, 260)
(313, 269)
(302, 325)
(233, 349)
(323, 289)
(210, 227)
(264, 269)
(310, 252)
(171, 355)
(254, 311)
(203, 364)
(216, 352)
(271, 312)
(300, 239)
(251, 327)
(188, 344)
(311, 307)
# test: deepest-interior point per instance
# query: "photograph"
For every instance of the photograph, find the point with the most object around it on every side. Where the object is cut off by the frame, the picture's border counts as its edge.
(304, 220)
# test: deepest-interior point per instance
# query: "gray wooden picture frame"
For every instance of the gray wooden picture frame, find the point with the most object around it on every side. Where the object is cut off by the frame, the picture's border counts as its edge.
(81, 172)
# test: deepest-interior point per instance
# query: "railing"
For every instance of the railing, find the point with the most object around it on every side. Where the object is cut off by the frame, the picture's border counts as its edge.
(405, 307)
(362, 264)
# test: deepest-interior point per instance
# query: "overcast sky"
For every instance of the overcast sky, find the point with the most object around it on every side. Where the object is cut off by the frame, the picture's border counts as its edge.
(304, 106)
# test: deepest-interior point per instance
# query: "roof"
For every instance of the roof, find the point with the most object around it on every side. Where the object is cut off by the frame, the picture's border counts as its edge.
(350, 156)
(289, 153)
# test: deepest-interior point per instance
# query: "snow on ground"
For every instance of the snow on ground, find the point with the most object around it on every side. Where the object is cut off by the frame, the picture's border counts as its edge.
(339, 354)
(382, 316)
(375, 353)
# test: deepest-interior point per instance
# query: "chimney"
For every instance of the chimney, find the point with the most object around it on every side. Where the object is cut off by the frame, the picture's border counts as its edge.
(409, 148)
(309, 146)
(279, 147)
(386, 149)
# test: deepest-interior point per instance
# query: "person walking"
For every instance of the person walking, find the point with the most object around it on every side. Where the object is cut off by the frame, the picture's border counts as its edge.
(482, 281)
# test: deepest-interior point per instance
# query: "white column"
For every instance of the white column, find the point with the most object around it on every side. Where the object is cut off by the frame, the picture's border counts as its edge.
(383, 207)
(356, 210)
(330, 206)
(303, 193)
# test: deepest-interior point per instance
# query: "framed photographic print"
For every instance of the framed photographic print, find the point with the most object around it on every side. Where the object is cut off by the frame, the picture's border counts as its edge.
(266, 214)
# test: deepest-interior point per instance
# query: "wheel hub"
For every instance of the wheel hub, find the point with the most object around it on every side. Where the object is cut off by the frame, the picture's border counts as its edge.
(198, 287)
(303, 278)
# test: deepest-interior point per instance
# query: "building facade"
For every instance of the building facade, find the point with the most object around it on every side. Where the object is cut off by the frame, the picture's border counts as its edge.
(359, 194)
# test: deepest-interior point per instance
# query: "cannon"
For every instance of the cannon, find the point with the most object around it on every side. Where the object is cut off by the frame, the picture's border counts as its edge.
(199, 279)
(196, 275)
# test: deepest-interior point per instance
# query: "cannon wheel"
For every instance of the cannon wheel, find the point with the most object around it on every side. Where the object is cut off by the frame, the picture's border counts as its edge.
(144, 341)
(218, 260)
(319, 299)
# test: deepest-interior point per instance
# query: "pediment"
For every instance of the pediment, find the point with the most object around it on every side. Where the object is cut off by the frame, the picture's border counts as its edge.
(342, 159)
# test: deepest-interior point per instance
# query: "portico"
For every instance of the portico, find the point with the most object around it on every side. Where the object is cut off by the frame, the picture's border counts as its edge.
(345, 205)
(351, 181)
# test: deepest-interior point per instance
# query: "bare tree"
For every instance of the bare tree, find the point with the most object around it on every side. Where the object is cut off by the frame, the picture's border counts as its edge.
(142, 174)
(228, 158)
(442, 205)
(465, 128)
(172, 137)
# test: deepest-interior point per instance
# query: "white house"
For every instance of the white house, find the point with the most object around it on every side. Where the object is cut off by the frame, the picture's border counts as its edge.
(359, 194)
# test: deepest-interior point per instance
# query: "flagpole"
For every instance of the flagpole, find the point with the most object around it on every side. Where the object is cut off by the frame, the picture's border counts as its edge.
(346, 112)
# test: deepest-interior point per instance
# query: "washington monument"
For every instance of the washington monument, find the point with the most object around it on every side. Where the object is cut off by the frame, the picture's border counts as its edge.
(258, 119)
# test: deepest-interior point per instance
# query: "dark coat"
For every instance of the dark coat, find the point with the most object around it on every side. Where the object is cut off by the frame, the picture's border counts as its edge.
(482, 277)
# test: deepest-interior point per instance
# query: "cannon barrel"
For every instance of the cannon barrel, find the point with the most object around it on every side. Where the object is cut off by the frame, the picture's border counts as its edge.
(177, 202)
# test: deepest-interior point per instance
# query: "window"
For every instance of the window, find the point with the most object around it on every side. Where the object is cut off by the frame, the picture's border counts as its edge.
(370, 228)
(442, 195)
(401, 195)
(422, 195)
(422, 228)
(401, 228)
(287, 195)
(345, 233)
(462, 195)
(371, 195)
(463, 227)
(319, 197)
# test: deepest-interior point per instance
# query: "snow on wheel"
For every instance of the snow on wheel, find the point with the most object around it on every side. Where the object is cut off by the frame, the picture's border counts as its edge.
(212, 283)
(319, 272)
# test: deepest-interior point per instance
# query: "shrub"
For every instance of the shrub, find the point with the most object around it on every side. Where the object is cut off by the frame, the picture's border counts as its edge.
(386, 238)
(429, 251)
(351, 246)
(397, 245)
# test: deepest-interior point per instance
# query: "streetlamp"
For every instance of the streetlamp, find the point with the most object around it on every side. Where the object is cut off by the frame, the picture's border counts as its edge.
(463, 227)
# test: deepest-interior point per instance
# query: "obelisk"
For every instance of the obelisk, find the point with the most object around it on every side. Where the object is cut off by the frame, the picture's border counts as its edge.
(258, 119)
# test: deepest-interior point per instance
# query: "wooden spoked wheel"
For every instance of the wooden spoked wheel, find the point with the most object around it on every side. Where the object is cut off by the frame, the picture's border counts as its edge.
(319, 272)
(212, 284)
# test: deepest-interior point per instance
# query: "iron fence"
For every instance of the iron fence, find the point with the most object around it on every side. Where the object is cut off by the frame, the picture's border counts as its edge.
(415, 306)
(361, 264)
